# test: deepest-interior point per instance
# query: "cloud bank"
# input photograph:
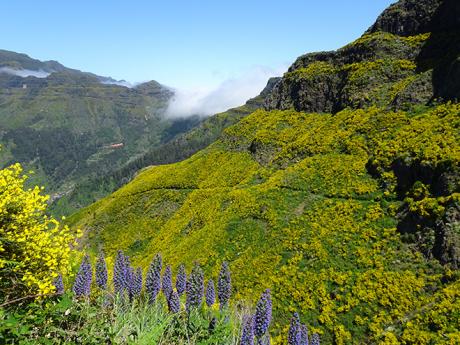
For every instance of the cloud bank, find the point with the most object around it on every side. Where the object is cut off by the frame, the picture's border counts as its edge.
(119, 83)
(23, 73)
(205, 101)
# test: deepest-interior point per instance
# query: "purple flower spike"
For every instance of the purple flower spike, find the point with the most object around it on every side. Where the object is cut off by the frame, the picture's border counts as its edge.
(119, 273)
(101, 271)
(195, 288)
(247, 333)
(224, 285)
(59, 284)
(263, 315)
(174, 302)
(136, 283)
(153, 278)
(303, 335)
(295, 335)
(129, 287)
(82, 284)
(210, 293)
(181, 280)
(166, 282)
(314, 340)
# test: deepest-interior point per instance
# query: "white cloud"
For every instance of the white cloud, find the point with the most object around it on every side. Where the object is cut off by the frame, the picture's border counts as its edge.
(23, 73)
(119, 83)
(231, 93)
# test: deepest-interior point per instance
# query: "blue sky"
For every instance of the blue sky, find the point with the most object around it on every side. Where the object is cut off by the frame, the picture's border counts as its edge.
(181, 43)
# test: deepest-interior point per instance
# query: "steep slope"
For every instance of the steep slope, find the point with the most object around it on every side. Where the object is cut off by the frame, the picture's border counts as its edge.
(182, 146)
(351, 216)
(66, 124)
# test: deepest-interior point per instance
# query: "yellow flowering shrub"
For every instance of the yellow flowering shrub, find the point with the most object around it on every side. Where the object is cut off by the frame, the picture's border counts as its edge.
(34, 247)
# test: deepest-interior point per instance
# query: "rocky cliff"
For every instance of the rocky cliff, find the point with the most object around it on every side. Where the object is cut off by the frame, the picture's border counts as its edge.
(408, 57)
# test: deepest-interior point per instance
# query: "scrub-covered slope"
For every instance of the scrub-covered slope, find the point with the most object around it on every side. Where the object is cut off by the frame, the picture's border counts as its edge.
(350, 216)
(180, 147)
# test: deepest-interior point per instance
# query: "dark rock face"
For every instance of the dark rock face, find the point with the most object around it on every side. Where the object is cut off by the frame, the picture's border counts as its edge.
(407, 17)
(436, 58)
(317, 94)
(447, 237)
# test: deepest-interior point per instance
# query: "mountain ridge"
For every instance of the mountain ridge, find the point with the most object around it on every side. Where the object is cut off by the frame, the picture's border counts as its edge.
(67, 125)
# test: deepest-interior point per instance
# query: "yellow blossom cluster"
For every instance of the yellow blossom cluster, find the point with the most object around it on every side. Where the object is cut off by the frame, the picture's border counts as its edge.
(34, 247)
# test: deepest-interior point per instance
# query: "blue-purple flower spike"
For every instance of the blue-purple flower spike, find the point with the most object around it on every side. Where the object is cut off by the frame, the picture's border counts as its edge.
(263, 315)
(224, 285)
(210, 293)
(247, 333)
(181, 280)
(314, 340)
(195, 288)
(303, 335)
(174, 302)
(153, 278)
(295, 332)
(59, 284)
(166, 282)
(101, 271)
(119, 273)
(137, 283)
(82, 284)
(129, 287)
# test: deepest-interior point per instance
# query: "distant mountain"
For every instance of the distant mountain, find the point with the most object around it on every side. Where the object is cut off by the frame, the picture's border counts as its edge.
(67, 125)
(342, 196)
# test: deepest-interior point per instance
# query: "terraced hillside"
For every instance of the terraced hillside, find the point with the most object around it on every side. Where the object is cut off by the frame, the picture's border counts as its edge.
(342, 196)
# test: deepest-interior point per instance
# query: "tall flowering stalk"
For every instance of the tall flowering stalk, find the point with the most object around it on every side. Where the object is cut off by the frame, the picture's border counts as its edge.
(263, 315)
(295, 332)
(315, 340)
(174, 302)
(59, 284)
(129, 288)
(210, 293)
(136, 283)
(224, 285)
(153, 278)
(303, 335)
(101, 271)
(247, 333)
(195, 288)
(181, 280)
(82, 284)
(166, 282)
(120, 273)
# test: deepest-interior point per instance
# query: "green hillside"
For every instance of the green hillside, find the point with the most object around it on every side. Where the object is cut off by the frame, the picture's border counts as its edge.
(63, 124)
(342, 196)
(180, 147)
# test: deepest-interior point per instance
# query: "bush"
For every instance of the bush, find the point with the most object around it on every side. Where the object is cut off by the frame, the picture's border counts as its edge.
(34, 248)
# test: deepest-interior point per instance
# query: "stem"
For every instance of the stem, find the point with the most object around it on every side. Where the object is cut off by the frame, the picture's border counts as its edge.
(26, 297)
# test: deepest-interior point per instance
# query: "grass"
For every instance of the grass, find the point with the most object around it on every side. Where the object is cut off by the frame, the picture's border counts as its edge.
(102, 320)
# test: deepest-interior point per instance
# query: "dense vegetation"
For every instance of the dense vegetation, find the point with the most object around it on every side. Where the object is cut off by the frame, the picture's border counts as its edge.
(33, 246)
(342, 197)
(288, 197)
(63, 125)
(179, 148)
